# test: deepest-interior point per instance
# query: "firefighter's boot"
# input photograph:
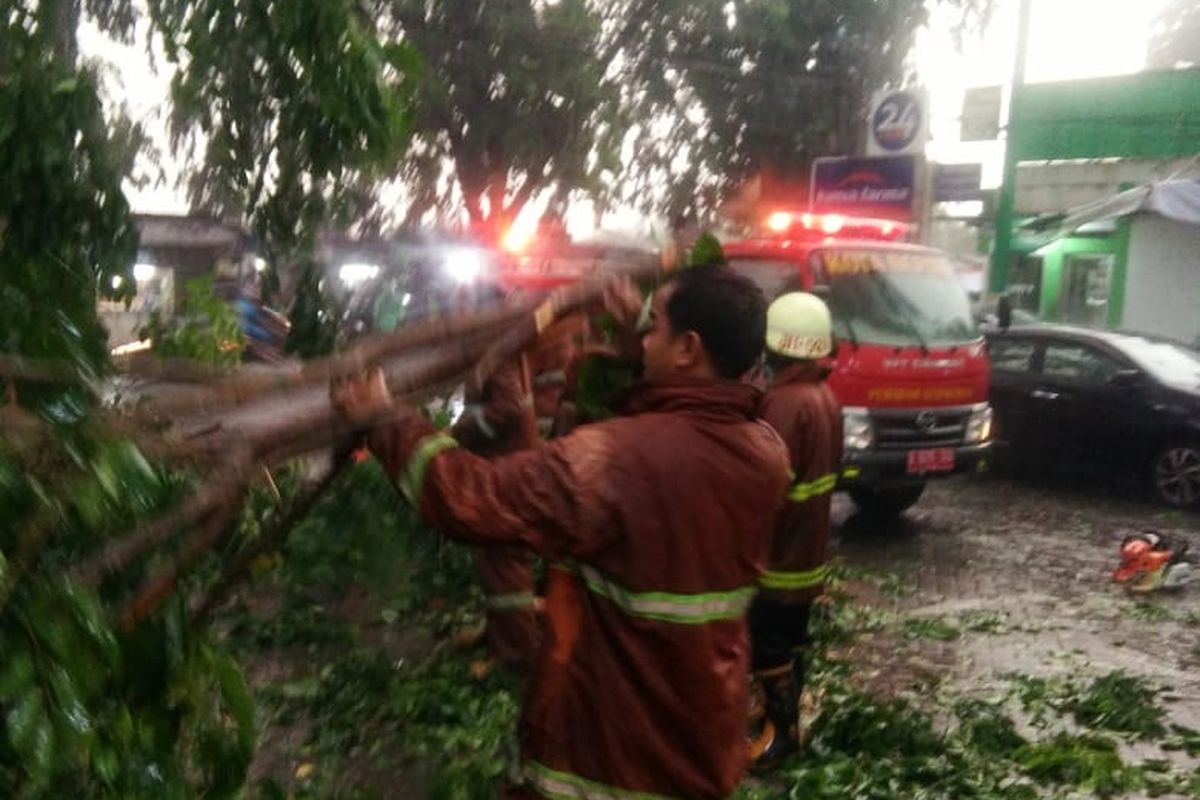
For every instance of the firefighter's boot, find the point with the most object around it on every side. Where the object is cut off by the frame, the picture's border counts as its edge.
(773, 735)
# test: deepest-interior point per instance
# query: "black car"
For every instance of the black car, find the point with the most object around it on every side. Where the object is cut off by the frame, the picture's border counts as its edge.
(1120, 399)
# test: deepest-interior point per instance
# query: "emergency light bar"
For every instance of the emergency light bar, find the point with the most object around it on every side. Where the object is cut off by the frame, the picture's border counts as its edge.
(806, 225)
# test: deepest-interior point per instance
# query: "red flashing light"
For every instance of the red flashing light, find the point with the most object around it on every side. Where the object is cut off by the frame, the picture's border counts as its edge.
(516, 240)
(779, 222)
(831, 224)
(785, 223)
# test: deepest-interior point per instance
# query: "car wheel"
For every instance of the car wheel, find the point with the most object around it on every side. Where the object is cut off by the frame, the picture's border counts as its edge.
(1176, 475)
(877, 501)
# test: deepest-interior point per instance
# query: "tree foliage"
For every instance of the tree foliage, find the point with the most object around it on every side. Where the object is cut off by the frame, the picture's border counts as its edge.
(91, 710)
(781, 84)
(66, 237)
(294, 107)
(663, 104)
(206, 329)
(516, 95)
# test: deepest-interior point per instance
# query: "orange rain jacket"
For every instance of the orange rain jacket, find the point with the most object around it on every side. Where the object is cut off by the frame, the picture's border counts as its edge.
(659, 524)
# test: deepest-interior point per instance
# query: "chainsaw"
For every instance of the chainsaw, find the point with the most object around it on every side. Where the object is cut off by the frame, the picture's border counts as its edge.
(1151, 561)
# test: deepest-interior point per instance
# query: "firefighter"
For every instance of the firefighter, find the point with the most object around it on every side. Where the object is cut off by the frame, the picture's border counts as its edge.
(515, 409)
(498, 420)
(658, 523)
(802, 408)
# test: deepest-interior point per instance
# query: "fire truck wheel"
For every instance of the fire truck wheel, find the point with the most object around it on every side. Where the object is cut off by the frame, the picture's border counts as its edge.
(891, 501)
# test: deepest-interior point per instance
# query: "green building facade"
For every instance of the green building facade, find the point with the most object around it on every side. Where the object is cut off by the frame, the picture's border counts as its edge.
(1151, 115)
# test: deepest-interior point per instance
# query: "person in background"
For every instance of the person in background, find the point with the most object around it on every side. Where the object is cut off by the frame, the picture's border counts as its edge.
(803, 409)
(657, 523)
(388, 311)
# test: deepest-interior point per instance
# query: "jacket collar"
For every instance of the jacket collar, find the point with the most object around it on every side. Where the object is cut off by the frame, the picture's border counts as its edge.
(801, 372)
(719, 398)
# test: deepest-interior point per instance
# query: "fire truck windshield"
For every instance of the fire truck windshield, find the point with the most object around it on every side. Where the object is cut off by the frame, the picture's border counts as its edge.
(877, 295)
(894, 297)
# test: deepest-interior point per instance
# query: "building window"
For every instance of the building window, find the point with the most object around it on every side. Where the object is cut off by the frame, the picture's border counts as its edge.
(1025, 284)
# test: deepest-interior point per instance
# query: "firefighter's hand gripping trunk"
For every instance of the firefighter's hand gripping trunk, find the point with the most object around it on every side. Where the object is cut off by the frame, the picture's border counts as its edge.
(658, 524)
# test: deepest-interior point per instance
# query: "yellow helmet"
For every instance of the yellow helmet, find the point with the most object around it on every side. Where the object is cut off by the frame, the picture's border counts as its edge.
(798, 326)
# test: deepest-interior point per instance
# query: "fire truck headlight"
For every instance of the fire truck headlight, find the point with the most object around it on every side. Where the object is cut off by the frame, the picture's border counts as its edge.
(856, 429)
(979, 425)
(464, 265)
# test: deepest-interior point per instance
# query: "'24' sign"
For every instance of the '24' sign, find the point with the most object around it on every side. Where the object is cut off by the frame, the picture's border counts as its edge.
(897, 121)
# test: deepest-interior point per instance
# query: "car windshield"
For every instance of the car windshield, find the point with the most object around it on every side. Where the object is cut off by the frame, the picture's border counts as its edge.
(895, 297)
(1170, 363)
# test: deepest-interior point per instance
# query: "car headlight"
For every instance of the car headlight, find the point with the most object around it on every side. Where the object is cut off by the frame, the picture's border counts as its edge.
(979, 425)
(856, 429)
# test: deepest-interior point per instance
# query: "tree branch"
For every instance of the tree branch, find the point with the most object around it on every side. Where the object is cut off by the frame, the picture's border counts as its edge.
(120, 553)
(158, 587)
(271, 540)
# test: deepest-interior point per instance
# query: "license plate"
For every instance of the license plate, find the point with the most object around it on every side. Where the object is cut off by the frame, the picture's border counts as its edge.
(938, 459)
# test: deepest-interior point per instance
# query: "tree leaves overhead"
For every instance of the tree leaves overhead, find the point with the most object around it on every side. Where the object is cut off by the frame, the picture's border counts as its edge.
(65, 232)
(776, 84)
(292, 105)
(514, 93)
(665, 105)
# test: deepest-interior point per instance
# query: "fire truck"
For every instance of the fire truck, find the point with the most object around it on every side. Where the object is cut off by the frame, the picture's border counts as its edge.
(910, 368)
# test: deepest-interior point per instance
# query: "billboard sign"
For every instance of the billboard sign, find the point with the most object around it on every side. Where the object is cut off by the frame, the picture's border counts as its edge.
(882, 186)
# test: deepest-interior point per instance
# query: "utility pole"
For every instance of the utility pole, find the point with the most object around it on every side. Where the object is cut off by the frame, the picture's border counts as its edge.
(1006, 203)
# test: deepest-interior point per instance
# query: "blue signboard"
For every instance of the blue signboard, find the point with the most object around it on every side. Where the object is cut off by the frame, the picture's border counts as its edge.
(881, 186)
(957, 182)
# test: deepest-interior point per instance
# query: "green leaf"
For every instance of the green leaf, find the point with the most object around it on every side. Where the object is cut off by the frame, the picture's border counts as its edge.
(30, 731)
(90, 618)
(237, 698)
(16, 675)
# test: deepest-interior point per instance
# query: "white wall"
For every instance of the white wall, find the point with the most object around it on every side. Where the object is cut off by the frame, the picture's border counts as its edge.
(1053, 186)
(1162, 283)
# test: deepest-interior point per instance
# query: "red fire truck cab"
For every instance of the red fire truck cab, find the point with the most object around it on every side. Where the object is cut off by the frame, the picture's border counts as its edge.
(910, 367)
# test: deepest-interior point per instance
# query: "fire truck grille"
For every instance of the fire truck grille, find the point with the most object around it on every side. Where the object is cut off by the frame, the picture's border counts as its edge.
(905, 429)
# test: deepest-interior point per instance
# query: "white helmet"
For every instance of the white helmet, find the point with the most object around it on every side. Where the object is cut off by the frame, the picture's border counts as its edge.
(798, 326)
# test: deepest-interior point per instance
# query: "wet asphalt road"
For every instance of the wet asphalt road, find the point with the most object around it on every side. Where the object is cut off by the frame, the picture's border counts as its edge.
(1021, 569)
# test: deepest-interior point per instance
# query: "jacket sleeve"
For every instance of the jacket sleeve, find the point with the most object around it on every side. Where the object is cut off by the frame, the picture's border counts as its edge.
(554, 499)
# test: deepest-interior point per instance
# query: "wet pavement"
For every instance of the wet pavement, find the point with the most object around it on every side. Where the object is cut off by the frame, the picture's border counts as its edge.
(998, 576)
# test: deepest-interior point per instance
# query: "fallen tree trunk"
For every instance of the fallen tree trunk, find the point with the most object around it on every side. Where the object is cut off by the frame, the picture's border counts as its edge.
(235, 424)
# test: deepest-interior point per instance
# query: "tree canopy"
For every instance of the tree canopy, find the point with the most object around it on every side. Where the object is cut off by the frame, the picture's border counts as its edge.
(664, 105)
(294, 106)
(66, 236)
